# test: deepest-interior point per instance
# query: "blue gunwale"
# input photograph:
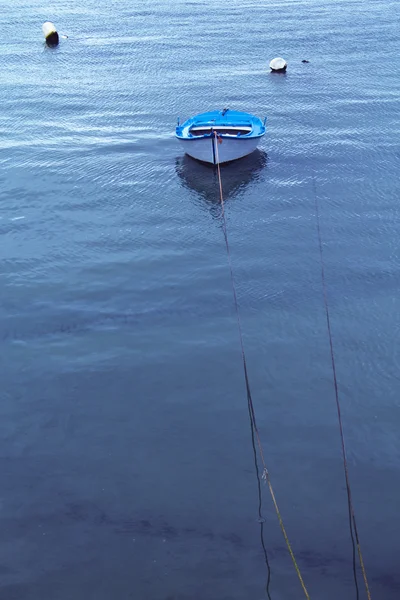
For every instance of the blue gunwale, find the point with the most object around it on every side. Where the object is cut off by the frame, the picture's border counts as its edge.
(216, 118)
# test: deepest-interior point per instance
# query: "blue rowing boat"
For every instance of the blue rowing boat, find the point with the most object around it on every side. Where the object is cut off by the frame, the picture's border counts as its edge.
(220, 136)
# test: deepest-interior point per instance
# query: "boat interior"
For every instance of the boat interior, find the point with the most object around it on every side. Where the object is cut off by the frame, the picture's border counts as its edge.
(233, 130)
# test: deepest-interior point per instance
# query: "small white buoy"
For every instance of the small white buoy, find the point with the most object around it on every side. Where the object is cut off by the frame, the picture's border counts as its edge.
(50, 33)
(278, 65)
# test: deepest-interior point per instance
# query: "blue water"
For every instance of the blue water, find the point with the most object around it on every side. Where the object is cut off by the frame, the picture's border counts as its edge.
(124, 438)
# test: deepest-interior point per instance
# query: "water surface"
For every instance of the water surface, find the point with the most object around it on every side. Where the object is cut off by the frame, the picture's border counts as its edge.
(124, 436)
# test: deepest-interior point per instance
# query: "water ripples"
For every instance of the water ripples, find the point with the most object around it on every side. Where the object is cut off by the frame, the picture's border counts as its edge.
(113, 252)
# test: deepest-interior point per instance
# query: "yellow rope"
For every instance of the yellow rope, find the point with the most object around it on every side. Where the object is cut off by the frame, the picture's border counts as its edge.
(363, 571)
(265, 475)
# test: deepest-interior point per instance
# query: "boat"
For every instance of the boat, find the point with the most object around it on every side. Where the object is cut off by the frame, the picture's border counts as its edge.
(220, 136)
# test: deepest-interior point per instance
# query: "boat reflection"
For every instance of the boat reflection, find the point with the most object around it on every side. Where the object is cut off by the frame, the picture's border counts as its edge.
(236, 176)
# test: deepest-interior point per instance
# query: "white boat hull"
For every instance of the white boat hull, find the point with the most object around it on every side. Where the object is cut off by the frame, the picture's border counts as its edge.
(209, 150)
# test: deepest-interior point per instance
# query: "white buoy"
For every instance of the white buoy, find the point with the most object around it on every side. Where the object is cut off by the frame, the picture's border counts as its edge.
(50, 33)
(278, 65)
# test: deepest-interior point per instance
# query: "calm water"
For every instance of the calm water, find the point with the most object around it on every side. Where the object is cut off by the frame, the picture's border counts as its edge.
(126, 459)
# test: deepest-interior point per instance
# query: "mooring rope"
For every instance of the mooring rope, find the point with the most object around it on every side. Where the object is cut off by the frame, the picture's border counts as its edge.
(260, 502)
(352, 517)
(254, 428)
